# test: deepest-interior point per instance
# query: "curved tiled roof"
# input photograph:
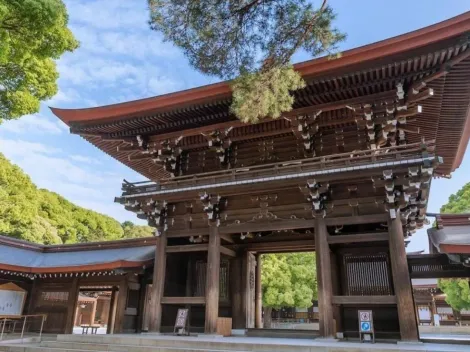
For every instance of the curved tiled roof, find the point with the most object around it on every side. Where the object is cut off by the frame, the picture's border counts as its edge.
(23, 256)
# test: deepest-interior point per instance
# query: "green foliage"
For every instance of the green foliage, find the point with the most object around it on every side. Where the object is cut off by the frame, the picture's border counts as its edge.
(265, 93)
(457, 292)
(254, 39)
(288, 280)
(458, 203)
(136, 231)
(33, 33)
(40, 216)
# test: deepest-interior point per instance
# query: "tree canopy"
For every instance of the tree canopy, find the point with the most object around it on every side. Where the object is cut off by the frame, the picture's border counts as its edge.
(458, 203)
(457, 290)
(251, 39)
(288, 280)
(33, 33)
(41, 216)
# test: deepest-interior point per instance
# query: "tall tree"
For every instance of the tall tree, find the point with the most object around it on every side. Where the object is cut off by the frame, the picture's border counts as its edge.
(33, 33)
(288, 280)
(251, 39)
(457, 290)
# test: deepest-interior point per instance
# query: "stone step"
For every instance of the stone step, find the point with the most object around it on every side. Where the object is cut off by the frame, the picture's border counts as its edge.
(87, 347)
(76, 346)
(186, 343)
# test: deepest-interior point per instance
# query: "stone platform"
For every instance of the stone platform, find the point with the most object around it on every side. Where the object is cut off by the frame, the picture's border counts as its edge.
(160, 343)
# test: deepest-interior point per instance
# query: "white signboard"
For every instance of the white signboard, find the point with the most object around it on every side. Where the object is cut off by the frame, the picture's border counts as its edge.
(366, 325)
(11, 302)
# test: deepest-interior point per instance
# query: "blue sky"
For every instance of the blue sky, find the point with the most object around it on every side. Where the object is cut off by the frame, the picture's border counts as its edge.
(121, 59)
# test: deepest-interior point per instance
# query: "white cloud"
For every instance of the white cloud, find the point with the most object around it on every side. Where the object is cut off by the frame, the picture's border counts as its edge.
(18, 148)
(35, 123)
(85, 159)
(162, 85)
(66, 95)
(106, 14)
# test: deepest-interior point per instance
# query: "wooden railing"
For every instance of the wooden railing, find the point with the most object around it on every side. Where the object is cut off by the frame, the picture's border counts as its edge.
(329, 162)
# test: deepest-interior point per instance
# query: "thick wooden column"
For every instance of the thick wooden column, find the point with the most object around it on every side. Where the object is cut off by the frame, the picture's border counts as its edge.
(72, 305)
(401, 281)
(158, 285)
(238, 320)
(325, 287)
(259, 295)
(212, 281)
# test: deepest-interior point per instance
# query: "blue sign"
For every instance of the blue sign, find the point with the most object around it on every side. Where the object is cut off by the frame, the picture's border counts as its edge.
(365, 326)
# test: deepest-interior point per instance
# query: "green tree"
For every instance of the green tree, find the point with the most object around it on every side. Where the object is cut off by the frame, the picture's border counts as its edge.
(40, 216)
(288, 280)
(457, 290)
(458, 203)
(252, 39)
(136, 231)
(33, 33)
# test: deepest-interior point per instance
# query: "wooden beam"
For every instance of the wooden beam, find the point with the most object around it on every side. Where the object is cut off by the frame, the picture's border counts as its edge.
(358, 238)
(358, 300)
(401, 280)
(227, 238)
(184, 300)
(355, 220)
(228, 252)
(212, 281)
(290, 245)
(158, 285)
(187, 248)
(325, 286)
(290, 224)
(187, 233)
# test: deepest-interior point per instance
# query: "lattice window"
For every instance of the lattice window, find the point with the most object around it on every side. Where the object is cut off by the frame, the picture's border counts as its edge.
(200, 289)
(367, 275)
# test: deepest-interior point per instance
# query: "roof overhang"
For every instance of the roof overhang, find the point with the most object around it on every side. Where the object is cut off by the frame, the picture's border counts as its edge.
(25, 257)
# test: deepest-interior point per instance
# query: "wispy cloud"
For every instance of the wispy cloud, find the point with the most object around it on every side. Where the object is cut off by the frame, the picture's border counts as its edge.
(33, 124)
(85, 159)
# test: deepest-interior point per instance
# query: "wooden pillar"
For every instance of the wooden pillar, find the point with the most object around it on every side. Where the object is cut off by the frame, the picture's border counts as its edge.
(335, 277)
(401, 281)
(121, 305)
(325, 287)
(112, 311)
(259, 295)
(212, 281)
(158, 285)
(93, 312)
(72, 305)
(142, 303)
(238, 321)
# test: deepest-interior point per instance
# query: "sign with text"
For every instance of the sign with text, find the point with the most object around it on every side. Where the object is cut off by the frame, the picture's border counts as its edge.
(366, 325)
(181, 319)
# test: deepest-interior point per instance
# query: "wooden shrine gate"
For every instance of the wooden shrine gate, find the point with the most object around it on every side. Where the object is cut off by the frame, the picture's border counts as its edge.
(347, 173)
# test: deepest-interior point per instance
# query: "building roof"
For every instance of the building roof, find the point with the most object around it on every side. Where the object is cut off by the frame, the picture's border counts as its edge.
(438, 53)
(26, 257)
(452, 236)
